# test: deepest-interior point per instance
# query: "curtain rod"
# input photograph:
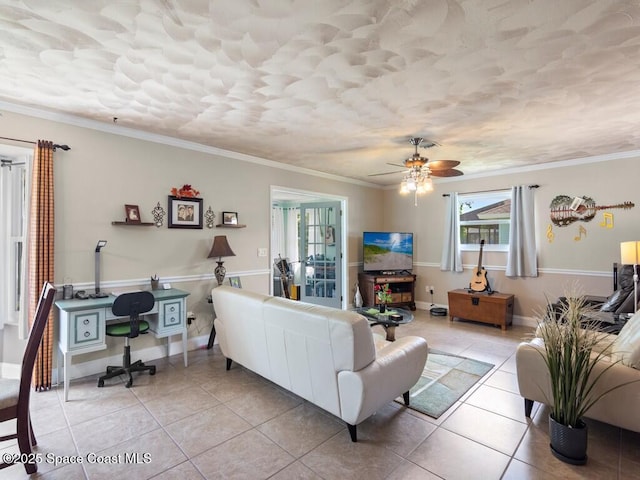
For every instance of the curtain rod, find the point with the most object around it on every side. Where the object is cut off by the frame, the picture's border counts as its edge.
(55, 145)
(489, 191)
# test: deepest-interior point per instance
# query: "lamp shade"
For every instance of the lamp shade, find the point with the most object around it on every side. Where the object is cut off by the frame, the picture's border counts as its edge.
(221, 247)
(630, 253)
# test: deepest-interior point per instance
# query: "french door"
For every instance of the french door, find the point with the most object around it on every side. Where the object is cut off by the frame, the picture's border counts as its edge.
(321, 253)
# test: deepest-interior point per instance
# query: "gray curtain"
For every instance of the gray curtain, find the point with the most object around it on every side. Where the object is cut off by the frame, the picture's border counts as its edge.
(522, 258)
(451, 256)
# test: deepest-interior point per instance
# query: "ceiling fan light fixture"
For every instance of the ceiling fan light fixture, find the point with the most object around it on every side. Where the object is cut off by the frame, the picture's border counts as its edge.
(426, 185)
(404, 189)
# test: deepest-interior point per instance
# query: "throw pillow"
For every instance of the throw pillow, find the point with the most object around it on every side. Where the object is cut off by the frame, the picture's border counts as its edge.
(626, 347)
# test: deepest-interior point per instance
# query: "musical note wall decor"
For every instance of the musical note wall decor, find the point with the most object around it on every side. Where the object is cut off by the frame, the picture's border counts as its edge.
(581, 231)
(607, 220)
(550, 233)
(563, 215)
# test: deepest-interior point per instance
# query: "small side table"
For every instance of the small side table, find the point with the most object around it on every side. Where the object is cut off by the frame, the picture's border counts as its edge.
(387, 322)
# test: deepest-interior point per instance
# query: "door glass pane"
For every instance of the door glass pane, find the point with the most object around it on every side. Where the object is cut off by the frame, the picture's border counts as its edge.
(321, 253)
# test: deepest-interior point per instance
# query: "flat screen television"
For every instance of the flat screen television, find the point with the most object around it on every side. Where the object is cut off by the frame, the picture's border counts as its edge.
(387, 251)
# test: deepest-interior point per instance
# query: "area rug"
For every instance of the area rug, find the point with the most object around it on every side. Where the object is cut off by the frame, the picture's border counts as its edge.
(444, 380)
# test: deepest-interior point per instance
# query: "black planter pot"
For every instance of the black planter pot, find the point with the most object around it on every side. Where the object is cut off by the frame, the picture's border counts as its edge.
(382, 307)
(567, 443)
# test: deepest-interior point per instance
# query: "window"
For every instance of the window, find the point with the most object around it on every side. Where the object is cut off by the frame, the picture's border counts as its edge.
(14, 188)
(485, 216)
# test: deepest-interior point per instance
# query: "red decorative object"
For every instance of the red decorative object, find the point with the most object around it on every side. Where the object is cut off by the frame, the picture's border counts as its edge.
(383, 292)
(185, 191)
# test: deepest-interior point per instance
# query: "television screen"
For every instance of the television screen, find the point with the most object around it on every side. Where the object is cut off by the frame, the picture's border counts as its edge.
(387, 251)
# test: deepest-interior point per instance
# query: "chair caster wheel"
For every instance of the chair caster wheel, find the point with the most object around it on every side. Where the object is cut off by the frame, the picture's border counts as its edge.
(128, 384)
(100, 383)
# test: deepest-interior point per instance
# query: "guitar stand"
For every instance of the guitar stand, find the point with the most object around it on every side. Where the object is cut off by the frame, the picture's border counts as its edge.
(487, 290)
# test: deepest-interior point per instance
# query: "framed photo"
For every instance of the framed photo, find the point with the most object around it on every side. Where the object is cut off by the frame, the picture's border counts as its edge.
(235, 282)
(185, 212)
(229, 218)
(133, 213)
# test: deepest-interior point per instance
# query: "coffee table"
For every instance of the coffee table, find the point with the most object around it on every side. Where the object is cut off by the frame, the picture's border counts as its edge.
(388, 319)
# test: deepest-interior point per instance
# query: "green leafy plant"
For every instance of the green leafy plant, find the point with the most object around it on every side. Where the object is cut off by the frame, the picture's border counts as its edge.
(383, 292)
(572, 349)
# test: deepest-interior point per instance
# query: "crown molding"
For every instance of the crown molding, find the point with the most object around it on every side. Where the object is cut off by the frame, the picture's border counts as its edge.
(116, 129)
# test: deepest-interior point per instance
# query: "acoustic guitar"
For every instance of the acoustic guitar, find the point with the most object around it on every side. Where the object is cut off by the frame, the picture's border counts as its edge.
(479, 279)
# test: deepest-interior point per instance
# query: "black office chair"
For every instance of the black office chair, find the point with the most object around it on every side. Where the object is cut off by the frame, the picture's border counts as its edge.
(131, 305)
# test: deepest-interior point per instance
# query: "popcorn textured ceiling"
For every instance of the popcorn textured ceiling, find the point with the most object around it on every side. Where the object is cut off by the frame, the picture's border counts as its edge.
(340, 86)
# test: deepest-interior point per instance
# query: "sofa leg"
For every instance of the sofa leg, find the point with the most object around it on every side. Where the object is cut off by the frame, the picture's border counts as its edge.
(229, 363)
(405, 397)
(352, 432)
(528, 406)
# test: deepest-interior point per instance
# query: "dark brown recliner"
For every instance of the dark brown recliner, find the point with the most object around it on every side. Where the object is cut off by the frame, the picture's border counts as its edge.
(610, 311)
(621, 300)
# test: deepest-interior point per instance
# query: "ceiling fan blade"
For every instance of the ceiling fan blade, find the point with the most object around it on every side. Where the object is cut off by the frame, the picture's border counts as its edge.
(396, 165)
(442, 164)
(385, 173)
(452, 172)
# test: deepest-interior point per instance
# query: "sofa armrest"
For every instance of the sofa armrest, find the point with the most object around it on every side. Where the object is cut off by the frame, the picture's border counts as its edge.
(616, 408)
(395, 370)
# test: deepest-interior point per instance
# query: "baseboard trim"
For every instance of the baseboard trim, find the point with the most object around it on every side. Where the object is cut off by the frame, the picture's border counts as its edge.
(10, 370)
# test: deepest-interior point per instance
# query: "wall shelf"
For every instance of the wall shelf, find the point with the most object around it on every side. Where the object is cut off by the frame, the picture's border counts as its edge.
(133, 224)
(222, 225)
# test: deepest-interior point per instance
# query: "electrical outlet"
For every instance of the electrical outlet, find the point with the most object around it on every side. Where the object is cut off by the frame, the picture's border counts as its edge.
(431, 289)
(262, 252)
(427, 289)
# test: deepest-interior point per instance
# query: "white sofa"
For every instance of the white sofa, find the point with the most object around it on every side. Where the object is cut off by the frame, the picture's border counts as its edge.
(618, 407)
(324, 355)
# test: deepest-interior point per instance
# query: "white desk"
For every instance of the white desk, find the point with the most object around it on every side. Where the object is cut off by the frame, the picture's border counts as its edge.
(82, 325)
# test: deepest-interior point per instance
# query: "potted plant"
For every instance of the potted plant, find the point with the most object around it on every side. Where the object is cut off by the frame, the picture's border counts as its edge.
(383, 292)
(572, 348)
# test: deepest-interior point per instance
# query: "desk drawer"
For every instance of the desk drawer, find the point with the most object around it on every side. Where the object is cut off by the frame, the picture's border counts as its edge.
(170, 319)
(86, 328)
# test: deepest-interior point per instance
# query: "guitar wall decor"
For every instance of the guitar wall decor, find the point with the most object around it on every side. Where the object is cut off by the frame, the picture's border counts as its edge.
(479, 282)
(563, 215)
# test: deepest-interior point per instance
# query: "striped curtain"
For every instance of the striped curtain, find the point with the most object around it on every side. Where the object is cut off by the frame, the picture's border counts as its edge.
(40, 253)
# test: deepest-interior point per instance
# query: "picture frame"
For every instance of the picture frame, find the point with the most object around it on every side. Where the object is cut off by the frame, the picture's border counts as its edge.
(235, 282)
(185, 212)
(132, 214)
(229, 218)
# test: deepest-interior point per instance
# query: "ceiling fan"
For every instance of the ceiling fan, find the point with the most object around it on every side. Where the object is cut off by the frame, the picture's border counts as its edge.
(436, 168)
(418, 178)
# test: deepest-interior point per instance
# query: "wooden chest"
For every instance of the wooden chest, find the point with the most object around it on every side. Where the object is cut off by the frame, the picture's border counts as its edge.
(495, 309)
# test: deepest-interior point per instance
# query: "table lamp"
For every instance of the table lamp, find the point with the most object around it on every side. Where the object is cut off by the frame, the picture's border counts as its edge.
(220, 249)
(630, 255)
(98, 294)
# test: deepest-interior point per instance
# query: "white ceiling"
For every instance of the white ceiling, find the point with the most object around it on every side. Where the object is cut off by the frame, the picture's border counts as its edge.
(340, 86)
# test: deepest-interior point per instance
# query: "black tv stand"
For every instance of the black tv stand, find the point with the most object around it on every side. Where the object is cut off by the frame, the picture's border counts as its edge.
(402, 287)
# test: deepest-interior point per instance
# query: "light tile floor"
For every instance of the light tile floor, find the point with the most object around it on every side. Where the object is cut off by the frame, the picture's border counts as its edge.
(204, 422)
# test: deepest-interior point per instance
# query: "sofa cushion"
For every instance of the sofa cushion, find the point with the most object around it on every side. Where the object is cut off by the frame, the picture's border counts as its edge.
(626, 348)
